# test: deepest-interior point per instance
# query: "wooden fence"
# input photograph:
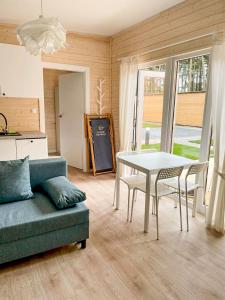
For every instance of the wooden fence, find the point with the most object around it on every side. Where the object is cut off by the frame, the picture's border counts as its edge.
(189, 108)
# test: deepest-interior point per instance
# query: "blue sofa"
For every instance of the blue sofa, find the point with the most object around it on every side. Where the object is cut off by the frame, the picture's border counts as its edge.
(33, 226)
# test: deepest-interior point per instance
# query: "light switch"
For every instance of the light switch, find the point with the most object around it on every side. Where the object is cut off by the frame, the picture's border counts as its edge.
(34, 110)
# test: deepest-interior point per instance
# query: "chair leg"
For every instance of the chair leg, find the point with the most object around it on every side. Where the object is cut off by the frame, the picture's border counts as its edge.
(153, 205)
(187, 217)
(114, 194)
(135, 195)
(157, 215)
(132, 206)
(181, 226)
(194, 206)
(128, 205)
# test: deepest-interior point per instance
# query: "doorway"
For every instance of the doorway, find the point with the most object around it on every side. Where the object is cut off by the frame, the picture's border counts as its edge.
(154, 88)
(190, 99)
(51, 84)
(177, 109)
(66, 95)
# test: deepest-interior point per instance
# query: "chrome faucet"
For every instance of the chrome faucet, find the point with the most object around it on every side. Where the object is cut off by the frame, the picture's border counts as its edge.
(6, 123)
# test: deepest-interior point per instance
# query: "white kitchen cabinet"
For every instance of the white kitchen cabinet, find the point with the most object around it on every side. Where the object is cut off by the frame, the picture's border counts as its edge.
(7, 149)
(21, 74)
(35, 148)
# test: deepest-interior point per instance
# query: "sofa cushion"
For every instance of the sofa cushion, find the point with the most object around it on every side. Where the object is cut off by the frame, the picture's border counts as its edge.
(15, 180)
(62, 192)
(36, 216)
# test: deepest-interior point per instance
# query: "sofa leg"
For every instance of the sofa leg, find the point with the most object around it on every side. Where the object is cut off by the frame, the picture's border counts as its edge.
(83, 244)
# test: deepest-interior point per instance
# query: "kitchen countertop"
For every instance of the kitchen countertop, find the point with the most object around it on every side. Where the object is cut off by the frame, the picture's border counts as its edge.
(25, 135)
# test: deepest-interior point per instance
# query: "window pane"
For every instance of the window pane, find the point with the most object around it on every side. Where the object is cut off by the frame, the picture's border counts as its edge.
(190, 102)
(153, 107)
(193, 73)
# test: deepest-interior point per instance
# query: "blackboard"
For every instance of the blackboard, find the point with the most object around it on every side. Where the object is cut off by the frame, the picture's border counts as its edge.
(101, 144)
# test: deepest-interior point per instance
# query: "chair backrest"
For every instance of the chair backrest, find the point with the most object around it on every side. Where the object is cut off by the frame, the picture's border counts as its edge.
(169, 173)
(197, 168)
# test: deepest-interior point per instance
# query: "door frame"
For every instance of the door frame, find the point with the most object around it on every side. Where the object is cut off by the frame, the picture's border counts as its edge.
(206, 122)
(86, 71)
(169, 109)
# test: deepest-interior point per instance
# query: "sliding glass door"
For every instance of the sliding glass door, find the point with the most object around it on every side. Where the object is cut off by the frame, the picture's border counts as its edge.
(191, 126)
(190, 96)
(152, 88)
(177, 109)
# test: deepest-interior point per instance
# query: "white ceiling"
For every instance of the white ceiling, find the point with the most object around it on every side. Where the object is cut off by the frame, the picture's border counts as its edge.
(105, 17)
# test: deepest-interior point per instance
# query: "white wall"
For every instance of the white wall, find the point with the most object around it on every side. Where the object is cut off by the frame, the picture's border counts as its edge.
(21, 76)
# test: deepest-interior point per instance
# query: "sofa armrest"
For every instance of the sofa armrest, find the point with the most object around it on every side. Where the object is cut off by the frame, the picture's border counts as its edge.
(43, 169)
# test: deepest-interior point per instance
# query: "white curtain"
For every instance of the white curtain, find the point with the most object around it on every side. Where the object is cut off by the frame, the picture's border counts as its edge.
(128, 86)
(140, 109)
(216, 209)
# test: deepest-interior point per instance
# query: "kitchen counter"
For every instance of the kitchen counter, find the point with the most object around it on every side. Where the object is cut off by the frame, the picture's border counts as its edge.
(30, 143)
(25, 135)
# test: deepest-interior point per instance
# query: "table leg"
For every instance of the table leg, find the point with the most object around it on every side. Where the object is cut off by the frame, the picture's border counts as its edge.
(147, 201)
(118, 185)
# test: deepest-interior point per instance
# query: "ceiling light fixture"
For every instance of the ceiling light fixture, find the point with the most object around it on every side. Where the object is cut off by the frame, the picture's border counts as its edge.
(42, 35)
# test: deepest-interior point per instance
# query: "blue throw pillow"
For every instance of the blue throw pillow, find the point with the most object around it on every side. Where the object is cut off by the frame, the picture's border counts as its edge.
(62, 192)
(15, 180)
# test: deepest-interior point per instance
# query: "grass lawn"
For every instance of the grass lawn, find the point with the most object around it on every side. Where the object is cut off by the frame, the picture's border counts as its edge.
(151, 125)
(196, 142)
(178, 149)
(151, 147)
(186, 151)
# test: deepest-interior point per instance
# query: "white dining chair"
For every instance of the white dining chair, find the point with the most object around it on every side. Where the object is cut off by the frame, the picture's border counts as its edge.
(159, 190)
(187, 186)
(132, 180)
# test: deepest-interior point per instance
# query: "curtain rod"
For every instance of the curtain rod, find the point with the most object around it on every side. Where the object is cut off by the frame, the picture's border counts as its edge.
(216, 37)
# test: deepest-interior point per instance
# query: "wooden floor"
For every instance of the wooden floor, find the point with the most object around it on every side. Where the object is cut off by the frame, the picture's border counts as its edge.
(120, 261)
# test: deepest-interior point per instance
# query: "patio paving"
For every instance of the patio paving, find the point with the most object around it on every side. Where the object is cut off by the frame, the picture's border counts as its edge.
(182, 135)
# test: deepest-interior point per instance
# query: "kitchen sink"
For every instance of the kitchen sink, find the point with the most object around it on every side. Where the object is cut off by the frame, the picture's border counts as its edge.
(10, 134)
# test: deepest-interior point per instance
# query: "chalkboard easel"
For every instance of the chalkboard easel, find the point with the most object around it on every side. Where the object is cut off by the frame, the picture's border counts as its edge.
(99, 132)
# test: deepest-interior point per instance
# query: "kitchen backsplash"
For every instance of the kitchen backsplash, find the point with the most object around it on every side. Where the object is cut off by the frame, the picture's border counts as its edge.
(22, 113)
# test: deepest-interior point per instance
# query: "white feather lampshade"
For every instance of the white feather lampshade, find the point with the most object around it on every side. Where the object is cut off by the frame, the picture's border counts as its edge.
(42, 35)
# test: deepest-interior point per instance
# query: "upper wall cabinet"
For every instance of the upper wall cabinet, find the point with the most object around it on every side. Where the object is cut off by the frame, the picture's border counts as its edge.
(20, 73)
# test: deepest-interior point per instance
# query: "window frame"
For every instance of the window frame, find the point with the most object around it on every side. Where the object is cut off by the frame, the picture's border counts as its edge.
(169, 110)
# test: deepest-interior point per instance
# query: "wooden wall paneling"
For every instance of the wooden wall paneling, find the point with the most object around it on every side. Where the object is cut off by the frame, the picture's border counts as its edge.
(18, 112)
(183, 28)
(181, 48)
(92, 51)
(183, 9)
(180, 29)
(169, 28)
(8, 34)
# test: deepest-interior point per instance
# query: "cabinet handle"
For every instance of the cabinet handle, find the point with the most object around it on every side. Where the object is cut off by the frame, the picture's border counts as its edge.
(31, 141)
